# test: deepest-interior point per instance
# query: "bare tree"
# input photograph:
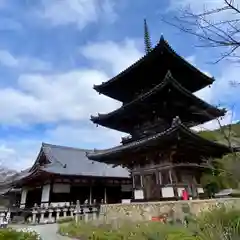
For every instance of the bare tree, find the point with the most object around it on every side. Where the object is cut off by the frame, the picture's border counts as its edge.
(212, 28)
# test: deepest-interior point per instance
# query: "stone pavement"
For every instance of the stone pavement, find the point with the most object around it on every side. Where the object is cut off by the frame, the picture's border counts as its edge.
(47, 231)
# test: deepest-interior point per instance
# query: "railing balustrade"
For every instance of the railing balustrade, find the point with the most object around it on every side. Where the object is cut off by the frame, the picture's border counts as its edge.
(49, 214)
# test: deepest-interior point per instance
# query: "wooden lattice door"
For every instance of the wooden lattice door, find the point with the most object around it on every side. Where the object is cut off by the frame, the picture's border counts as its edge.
(151, 190)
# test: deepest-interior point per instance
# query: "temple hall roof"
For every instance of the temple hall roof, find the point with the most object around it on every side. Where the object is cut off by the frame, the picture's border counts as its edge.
(73, 161)
(67, 161)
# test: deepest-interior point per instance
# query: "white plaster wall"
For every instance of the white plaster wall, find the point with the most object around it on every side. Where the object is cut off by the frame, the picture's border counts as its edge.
(180, 190)
(200, 190)
(167, 192)
(23, 197)
(138, 194)
(45, 193)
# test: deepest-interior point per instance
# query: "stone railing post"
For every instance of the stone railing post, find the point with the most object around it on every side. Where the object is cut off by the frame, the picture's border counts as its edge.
(65, 212)
(50, 212)
(86, 213)
(2, 215)
(77, 211)
(34, 214)
(58, 210)
(42, 212)
(94, 212)
(71, 212)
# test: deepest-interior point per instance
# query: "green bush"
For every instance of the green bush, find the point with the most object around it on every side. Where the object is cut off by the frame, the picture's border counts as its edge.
(221, 222)
(10, 234)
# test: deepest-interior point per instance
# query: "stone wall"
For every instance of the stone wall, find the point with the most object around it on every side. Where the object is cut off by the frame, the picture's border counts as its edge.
(147, 210)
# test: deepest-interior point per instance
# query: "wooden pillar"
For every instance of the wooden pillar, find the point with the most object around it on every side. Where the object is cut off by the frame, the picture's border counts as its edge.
(90, 195)
(173, 179)
(105, 195)
(23, 197)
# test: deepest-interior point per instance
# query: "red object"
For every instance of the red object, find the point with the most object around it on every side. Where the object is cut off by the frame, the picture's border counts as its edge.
(158, 219)
(184, 195)
(155, 219)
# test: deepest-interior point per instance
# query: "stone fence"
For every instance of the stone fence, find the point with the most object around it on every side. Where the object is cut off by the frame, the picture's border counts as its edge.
(148, 210)
(125, 211)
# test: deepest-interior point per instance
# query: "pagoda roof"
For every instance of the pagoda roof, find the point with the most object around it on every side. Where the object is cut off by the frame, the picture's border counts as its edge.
(176, 134)
(149, 70)
(165, 100)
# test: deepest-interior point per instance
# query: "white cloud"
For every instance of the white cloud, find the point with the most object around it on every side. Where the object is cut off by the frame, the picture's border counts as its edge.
(192, 59)
(23, 63)
(44, 98)
(19, 152)
(79, 12)
(53, 98)
(215, 124)
(222, 92)
(67, 100)
(118, 57)
(72, 135)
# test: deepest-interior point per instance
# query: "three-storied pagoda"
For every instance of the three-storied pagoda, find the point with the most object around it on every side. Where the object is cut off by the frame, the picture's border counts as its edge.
(158, 108)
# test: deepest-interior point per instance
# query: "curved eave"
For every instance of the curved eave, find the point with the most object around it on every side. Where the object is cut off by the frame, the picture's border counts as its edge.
(209, 80)
(167, 80)
(162, 44)
(177, 127)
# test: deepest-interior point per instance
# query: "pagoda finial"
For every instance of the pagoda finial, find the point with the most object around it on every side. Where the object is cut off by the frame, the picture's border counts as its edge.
(147, 40)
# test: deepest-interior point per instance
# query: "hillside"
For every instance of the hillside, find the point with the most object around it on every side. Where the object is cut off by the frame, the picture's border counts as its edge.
(5, 173)
(218, 136)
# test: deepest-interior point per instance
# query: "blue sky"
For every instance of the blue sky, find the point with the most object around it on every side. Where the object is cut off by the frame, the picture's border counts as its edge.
(53, 51)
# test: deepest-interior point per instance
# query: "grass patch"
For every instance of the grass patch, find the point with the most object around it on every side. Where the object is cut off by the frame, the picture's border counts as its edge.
(128, 231)
(220, 223)
(65, 220)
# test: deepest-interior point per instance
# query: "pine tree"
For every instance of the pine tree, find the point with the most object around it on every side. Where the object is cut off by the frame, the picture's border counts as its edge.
(147, 40)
